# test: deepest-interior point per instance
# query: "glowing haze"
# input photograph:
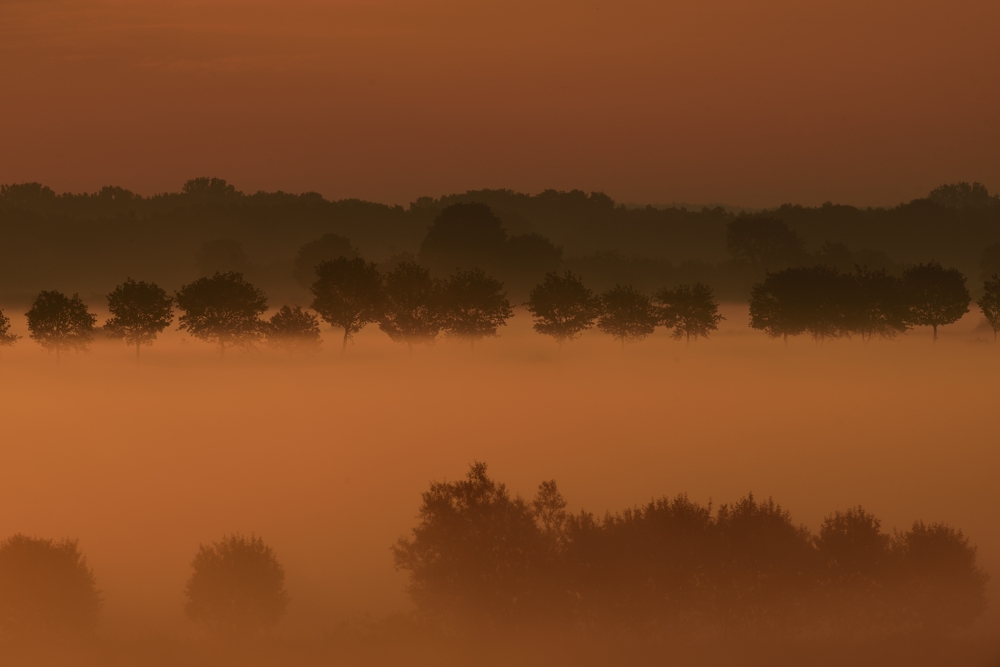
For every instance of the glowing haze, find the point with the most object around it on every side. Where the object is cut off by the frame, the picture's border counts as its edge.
(752, 103)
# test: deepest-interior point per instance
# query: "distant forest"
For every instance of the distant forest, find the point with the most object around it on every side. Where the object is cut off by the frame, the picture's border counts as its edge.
(89, 242)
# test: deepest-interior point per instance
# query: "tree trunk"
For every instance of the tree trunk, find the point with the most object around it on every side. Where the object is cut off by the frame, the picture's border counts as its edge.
(409, 346)
(623, 343)
(343, 347)
(57, 355)
(934, 326)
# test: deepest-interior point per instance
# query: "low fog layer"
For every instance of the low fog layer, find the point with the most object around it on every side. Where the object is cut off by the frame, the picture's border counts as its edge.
(326, 458)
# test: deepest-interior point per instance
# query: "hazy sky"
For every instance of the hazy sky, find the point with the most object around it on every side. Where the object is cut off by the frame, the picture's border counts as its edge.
(735, 101)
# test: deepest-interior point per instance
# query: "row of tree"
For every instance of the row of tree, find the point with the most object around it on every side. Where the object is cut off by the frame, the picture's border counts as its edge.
(828, 303)
(46, 587)
(407, 303)
(412, 306)
(483, 557)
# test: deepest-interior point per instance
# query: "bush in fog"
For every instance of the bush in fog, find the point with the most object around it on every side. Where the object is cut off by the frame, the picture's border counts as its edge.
(936, 295)
(294, 330)
(46, 586)
(411, 310)
(139, 312)
(563, 307)
(689, 310)
(989, 303)
(6, 337)
(237, 587)
(348, 295)
(491, 559)
(627, 314)
(224, 309)
(58, 322)
(474, 305)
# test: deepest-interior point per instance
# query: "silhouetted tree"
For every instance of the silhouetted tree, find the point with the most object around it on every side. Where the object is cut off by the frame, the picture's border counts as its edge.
(58, 322)
(326, 248)
(293, 329)
(221, 256)
(464, 236)
(880, 307)
(139, 312)
(964, 196)
(238, 586)
(474, 554)
(762, 242)
(627, 314)
(989, 262)
(989, 303)
(766, 565)
(780, 305)
(563, 307)
(348, 294)
(46, 586)
(412, 305)
(690, 310)
(936, 295)
(942, 587)
(474, 305)
(527, 259)
(831, 309)
(224, 309)
(6, 337)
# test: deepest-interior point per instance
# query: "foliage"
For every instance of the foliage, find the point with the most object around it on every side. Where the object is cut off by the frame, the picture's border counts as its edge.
(936, 295)
(293, 329)
(237, 587)
(139, 312)
(881, 304)
(58, 322)
(46, 586)
(412, 304)
(224, 309)
(627, 314)
(690, 310)
(6, 337)
(762, 242)
(348, 294)
(563, 307)
(220, 256)
(474, 305)
(464, 236)
(989, 303)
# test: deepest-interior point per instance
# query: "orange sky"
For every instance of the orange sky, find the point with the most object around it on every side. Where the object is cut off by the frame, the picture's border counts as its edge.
(752, 103)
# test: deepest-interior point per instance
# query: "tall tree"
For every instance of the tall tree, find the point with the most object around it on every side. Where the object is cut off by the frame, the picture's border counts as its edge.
(563, 307)
(990, 303)
(325, 248)
(690, 310)
(627, 314)
(58, 322)
(348, 294)
(474, 305)
(464, 236)
(224, 309)
(936, 295)
(293, 329)
(139, 312)
(412, 305)
(6, 337)
(879, 305)
(237, 587)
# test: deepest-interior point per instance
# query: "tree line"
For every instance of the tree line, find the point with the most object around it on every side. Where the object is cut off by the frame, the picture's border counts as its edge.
(481, 559)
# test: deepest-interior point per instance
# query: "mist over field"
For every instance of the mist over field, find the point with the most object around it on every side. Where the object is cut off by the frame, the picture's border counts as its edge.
(326, 458)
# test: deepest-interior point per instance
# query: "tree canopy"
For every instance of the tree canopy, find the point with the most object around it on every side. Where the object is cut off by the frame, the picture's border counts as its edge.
(627, 314)
(989, 303)
(6, 337)
(563, 307)
(474, 305)
(224, 309)
(412, 305)
(139, 312)
(294, 330)
(58, 322)
(348, 294)
(326, 248)
(690, 310)
(936, 295)
(237, 587)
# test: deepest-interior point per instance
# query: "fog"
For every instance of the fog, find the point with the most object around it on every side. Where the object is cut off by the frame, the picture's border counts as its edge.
(326, 457)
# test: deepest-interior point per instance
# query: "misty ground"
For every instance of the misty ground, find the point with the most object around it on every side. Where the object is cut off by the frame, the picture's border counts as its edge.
(326, 459)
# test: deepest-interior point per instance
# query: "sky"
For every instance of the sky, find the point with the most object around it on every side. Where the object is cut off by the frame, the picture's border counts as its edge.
(867, 102)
